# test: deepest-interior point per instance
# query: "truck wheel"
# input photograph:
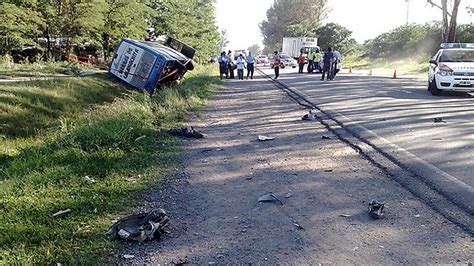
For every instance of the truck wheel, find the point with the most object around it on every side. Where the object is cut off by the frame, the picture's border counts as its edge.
(433, 88)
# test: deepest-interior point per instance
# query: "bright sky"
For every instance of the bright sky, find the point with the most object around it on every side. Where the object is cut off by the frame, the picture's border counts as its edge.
(365, 18)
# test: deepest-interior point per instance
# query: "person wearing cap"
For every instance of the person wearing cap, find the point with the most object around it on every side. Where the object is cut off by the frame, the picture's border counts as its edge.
(250, 68)
(276, 64)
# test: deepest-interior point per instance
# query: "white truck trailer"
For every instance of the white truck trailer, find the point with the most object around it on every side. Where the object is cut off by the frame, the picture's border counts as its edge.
(292, 46)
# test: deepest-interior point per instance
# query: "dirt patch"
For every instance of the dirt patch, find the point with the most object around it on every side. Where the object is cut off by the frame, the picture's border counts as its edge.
(324, 185)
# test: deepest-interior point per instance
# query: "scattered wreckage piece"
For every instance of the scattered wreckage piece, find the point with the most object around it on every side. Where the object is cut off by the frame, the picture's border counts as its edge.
(141, 227)
(376, 209)
(310, 116)
(188, 132)
(270, 197)
(265, 138)
(148, 65)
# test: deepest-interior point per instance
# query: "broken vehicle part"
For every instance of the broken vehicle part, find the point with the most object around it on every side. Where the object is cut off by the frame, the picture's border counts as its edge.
(265, 138)
(376, 209)
(309, 117)
(148, 65)
(141, 227)
(188, 132)
(269, 198)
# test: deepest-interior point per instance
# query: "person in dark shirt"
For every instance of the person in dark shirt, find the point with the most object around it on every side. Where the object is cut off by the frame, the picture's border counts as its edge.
(328, 64)
(276, 64)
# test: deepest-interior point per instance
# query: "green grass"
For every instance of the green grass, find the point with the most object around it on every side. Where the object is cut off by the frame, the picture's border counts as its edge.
(85, 127)
(9, 70)
(416, 65)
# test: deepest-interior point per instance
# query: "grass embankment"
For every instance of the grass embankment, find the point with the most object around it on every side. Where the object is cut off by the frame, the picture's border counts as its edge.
(9, 70)
(57, 132)
(416, 65)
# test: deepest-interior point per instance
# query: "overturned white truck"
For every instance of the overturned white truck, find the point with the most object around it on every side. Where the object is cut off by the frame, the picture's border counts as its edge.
(148, 65)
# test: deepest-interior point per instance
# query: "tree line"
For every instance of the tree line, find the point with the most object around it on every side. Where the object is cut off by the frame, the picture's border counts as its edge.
(51, 29)
(298, 18)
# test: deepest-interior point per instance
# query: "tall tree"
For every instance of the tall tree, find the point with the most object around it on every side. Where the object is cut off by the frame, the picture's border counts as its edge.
(291, 19)
(124, 18)
(336, 36)
(223, 40)
(449, 26)
(192, 21)
(19, 26)
(255, 49)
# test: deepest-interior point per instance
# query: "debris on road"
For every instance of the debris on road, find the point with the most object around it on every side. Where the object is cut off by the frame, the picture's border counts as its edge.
(265, 138)
(289, 195)
(209, 150)
(127, 256)
(309, 117)
(61, 212)
(417, 216)
(376, 209)
(328, 170)
(345, 215)
(140, 227)
(188, 132)
(298, 226)
(269, 198)
(438, 120)
(325, 137)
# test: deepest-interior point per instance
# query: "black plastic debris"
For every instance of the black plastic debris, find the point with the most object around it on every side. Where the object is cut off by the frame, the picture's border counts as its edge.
(270, 198)
(309, 117)
(140, 227)
(325, 137)
(188, 132)
(438, 120)
(376, 209)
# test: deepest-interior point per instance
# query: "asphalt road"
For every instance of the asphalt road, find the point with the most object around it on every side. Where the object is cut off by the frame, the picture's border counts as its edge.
(401, 111)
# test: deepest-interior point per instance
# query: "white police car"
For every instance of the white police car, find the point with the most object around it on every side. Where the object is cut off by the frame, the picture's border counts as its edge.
(452, 69)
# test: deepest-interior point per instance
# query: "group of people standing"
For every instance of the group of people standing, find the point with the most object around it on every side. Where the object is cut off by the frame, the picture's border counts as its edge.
(331, 63)
(227, 65)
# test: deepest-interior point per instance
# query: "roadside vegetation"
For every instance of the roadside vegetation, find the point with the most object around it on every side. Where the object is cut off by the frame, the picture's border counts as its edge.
(85, 144)
(406, 48)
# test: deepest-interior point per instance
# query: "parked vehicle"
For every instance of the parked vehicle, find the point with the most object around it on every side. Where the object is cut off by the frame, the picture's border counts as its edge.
(262, 59)
(285, 60)
(147, 65)
(452, 68)
(294, 46)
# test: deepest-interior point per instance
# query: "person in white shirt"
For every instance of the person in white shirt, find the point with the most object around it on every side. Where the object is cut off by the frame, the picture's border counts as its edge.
(250, 68)
(240, 66)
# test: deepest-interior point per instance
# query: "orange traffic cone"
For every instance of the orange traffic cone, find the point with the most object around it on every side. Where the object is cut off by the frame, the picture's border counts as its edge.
(370, 72)
(350, 69)
(394, 74)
